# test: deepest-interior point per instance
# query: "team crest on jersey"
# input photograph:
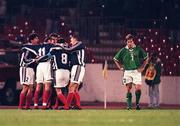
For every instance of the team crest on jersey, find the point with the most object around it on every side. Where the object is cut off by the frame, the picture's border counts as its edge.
(27, 79)
(124, 81)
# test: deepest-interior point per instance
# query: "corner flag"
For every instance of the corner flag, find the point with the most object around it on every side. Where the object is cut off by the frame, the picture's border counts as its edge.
(105, 70)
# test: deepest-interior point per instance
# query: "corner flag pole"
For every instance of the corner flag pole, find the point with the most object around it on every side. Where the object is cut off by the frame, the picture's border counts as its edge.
(105, 96)
(105, 86)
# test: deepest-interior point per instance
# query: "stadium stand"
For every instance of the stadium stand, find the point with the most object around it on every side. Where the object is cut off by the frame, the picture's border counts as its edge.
(103, 35)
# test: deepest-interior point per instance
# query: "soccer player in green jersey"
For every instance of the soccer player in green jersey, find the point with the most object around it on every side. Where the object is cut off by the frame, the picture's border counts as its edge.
(131, 59)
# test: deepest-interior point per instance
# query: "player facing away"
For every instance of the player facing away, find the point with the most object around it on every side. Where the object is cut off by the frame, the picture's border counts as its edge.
(61, 61)
(44, 76)
(132, 60)
(77, 71)
(27, 71)
(53, 38)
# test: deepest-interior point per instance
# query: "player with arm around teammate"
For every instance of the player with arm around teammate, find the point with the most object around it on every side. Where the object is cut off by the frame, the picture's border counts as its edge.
(27, 71)
(77, 50)
(61, 60)
(44, 76)
(132, 59)
(53, 38)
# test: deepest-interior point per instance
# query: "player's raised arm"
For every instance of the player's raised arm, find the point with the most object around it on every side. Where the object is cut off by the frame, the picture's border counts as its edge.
(75, 47)
(27, 60)
(48, 55)
(44, 58)
(28, 47)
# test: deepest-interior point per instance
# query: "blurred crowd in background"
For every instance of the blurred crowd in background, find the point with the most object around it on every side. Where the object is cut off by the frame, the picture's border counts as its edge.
(101, 25)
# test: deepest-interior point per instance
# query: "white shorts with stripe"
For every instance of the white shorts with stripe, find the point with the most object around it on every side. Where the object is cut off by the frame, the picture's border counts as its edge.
(132, 76)
(44, 72)
(77, 74)
(27, 75)
(62, 77)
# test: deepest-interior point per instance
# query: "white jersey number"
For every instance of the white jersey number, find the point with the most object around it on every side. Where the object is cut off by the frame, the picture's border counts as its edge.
(131, 54)
(64, 58)
(41, 51)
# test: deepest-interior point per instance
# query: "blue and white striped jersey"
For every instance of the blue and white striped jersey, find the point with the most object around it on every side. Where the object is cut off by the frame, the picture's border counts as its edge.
(61, 58)
(44, 49)
(28, 56)
(78, 54)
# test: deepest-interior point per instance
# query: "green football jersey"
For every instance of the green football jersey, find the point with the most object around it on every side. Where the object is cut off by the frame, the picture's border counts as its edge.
(131, 59)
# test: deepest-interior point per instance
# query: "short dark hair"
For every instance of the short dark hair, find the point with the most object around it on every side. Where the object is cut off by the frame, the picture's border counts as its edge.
(129, 36)
(54, 35)
(32, 36)
(47, 39)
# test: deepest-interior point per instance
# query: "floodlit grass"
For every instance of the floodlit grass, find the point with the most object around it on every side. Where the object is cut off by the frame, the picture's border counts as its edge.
(89, 118)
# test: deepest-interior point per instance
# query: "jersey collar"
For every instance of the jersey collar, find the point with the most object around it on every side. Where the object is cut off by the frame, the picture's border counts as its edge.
(128, 47)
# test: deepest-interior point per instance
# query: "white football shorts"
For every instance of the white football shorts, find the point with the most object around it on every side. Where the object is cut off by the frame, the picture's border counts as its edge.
(132, 76)
(27, 75)
(44, 72)
(62, 77)
(77, 74)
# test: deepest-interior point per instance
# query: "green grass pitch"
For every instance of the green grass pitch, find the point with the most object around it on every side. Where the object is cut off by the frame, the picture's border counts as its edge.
(89, 117)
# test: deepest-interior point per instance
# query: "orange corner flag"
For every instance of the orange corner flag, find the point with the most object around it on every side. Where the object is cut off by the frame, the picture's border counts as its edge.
(105, 70)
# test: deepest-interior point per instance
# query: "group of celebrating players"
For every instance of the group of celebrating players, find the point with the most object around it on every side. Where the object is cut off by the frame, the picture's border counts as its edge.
(52, 62)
